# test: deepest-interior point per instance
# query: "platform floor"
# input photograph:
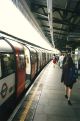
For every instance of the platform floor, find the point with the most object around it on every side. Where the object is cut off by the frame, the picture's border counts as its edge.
(47, 102)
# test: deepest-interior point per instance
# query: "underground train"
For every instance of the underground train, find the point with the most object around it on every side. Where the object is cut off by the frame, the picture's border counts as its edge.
(19, 65)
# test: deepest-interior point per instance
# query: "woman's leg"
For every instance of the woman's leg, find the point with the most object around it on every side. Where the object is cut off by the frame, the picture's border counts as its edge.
(69, 93)
(66, 90)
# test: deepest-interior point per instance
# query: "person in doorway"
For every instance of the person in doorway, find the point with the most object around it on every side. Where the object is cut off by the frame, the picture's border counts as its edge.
(68, 77)
(54, 59)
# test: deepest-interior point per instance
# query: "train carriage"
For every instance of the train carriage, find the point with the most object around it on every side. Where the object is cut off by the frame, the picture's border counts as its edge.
(7, 71)
(19, 65)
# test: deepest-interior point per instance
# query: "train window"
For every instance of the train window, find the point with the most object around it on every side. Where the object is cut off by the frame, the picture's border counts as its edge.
(8, 62)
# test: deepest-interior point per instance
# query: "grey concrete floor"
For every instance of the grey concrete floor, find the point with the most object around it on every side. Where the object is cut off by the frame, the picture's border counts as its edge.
(52, 105)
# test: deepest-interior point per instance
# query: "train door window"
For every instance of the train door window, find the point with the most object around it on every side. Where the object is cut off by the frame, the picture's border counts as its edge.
(8, 62)
(21, 63)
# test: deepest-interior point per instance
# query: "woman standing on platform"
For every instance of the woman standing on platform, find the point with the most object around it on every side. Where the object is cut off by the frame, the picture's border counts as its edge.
(68, 77)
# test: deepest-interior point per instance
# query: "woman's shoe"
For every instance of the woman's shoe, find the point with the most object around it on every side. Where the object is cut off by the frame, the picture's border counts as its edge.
(69, 102)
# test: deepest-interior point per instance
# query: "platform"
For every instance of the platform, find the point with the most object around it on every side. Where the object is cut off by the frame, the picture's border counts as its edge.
(46, 101)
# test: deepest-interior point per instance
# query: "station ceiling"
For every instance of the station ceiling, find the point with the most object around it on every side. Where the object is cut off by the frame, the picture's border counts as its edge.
(59, 21)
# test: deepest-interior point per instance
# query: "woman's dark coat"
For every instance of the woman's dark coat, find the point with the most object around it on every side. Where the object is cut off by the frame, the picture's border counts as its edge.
(68, 75)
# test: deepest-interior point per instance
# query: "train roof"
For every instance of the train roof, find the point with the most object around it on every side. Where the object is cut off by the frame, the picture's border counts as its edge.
(15, 44)
(5, 47)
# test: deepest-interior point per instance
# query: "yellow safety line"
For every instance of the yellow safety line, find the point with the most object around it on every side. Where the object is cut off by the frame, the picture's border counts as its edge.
(28, 105)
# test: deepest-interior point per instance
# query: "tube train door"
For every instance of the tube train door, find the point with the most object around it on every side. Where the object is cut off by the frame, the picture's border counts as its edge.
(28, 66)
(33, 57)
(20, 67)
